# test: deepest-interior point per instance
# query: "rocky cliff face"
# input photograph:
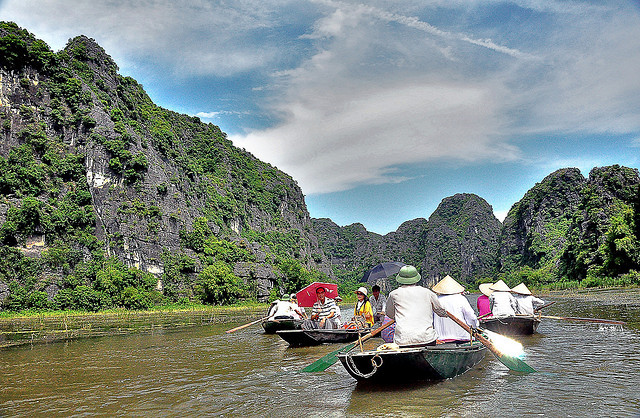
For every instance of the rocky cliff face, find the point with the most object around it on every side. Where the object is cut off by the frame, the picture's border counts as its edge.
(149, 173)
(536, 227)
(460, 239)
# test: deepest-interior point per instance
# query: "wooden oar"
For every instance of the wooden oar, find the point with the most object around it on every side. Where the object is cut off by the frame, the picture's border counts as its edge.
(246, 325)
(331, 358)
(544, 306)
(573, 318)
(513, 363)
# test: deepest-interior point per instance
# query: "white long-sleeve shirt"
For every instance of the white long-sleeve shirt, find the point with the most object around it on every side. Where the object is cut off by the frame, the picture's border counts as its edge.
(412, 307)
(503, 304)
(527, 304)
(459, 306)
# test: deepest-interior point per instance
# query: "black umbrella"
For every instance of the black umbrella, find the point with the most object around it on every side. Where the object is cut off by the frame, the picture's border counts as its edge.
(382, 271)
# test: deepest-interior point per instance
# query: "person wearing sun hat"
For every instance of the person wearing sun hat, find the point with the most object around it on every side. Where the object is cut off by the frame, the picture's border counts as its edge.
(412, 307)
(363, 309)
(501, 300)
(451, 298)
(483, 304)
(527, 303)
(282, 309)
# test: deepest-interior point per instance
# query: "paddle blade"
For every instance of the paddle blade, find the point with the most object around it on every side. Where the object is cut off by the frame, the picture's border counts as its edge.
(327, 361)
(515, 364)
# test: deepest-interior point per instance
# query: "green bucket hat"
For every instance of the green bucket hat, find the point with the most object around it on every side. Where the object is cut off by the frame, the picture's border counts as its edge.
(285, 296)
(408, 275)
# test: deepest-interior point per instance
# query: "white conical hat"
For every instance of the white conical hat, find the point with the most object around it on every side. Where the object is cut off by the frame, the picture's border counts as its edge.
(521, 289)
(500, 286)
(485, 288)
(448, 286)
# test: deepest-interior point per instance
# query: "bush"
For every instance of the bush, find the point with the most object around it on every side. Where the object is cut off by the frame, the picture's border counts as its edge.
(218, 285)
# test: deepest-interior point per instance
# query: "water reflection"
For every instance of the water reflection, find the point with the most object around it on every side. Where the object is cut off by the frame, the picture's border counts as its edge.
(586, 369)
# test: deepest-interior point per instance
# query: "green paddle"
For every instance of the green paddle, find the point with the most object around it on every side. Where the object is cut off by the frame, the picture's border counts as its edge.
(513, 363)
(330, 359)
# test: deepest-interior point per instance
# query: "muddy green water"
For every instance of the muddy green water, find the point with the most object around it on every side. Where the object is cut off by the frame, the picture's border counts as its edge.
(586, 369)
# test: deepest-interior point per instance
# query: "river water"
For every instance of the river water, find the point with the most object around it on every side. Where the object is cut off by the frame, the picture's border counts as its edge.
(585, 369)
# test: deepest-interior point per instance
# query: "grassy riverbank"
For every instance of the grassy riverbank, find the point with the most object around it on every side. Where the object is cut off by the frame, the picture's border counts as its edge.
(42, 327)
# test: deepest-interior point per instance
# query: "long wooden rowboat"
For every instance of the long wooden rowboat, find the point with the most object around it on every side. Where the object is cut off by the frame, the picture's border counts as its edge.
(273, 325)
(511, 325)
(437, 362)
(304, 337)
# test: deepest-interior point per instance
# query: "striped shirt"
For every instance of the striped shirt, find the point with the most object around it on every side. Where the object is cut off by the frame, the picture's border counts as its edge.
(324, 309)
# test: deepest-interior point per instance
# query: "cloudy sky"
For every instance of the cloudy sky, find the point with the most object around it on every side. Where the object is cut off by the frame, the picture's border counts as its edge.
(380, 109)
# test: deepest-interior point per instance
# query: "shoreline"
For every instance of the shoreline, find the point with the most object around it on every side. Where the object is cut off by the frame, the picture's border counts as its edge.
(48, 327)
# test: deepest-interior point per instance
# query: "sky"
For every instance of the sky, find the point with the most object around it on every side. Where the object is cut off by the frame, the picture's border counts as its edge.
(380, 109)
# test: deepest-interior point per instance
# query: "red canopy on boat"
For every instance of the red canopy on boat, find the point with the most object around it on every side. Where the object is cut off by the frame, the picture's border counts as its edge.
(307, 296)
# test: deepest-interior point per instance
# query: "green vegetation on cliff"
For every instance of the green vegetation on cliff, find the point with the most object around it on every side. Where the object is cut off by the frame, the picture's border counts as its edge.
(96, 181)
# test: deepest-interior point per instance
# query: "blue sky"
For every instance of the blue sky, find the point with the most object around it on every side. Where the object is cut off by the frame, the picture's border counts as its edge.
(382, 109)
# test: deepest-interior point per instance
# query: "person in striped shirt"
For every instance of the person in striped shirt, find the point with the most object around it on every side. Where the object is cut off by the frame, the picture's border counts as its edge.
(323, 313)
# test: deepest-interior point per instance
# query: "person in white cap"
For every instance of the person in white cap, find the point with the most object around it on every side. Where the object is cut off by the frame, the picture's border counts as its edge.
(363, 309)
(412, 307)
(527, 303)
(502, 301)
(451, 298)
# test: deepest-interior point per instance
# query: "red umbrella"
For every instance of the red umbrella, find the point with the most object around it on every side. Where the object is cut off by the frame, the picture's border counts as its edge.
(307, 296)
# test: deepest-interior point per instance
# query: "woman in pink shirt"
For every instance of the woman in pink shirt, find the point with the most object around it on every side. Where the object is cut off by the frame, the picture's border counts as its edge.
(484, 308)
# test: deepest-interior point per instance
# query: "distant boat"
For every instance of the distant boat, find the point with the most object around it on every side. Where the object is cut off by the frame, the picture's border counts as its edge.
(307, 337)
(437, 362)
(511, 325)
(272, 325)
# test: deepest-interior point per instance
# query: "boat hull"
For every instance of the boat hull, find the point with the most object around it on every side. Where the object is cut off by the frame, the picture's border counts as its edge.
(442, 361)
(511, 325)
(271, 326)
(301, 337)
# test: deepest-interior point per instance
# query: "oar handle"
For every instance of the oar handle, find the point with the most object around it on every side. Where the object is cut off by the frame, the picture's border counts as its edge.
(544, 306)
(376, 331)
(597, 320)
(246, 325)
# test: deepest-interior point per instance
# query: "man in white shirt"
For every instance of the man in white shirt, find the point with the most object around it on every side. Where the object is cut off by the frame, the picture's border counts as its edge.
(412, 307)
(378, 303)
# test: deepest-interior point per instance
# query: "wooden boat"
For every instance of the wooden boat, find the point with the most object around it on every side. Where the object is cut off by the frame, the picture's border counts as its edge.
(307, 337)
(511, 325)
(437, 362)
(272, 325)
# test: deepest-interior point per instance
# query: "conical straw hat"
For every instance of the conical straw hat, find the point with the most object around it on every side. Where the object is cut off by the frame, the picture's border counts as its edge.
(500, 286)
(521, 289)
(448, 286)
(485, 288)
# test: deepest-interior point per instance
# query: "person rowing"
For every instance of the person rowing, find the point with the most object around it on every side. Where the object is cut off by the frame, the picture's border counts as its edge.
(527, 303)
(451, 298)
(412, 308)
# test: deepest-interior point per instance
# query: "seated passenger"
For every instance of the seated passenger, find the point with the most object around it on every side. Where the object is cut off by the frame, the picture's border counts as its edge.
(451, 298)
(378, 303)
(323, 313)
(527, 303)
(502, 301)
(362, 313)
(484, 306)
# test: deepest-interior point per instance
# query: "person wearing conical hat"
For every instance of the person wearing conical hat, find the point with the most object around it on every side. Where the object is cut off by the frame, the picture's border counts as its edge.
(502, 301)
(527, 303)
(451, 298)
(484, 307)
(412, 307)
